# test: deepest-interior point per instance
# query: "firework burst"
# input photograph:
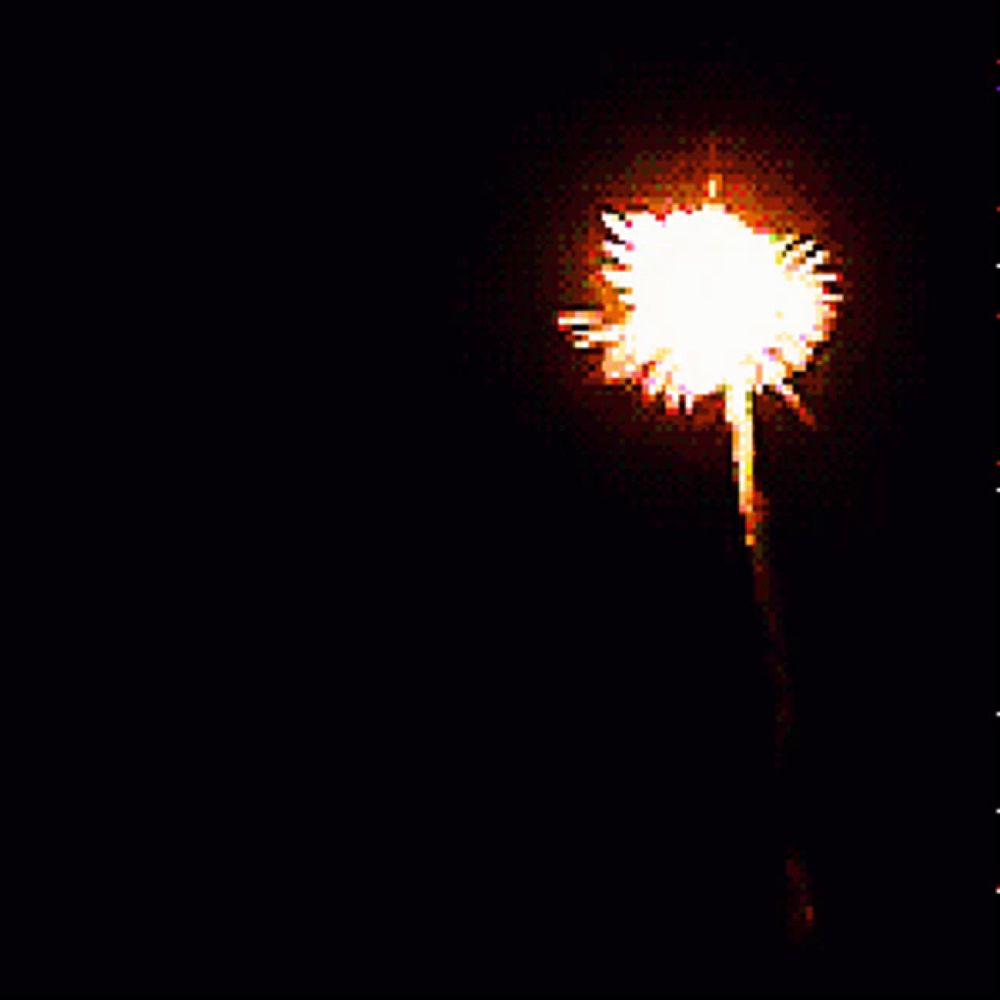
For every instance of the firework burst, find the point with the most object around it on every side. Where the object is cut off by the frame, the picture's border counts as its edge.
(701, 304)
(698, 302)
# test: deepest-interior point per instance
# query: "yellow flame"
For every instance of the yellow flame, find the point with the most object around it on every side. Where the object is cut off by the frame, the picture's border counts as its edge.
(710, 305)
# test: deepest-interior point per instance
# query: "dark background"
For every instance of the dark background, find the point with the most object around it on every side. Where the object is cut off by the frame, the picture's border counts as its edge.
(589, 572)
(432, 669)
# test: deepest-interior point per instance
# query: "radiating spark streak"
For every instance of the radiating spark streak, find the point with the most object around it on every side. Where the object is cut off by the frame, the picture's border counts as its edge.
(794, 400)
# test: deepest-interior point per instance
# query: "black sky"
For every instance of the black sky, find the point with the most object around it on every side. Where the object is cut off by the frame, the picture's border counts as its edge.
(595, 552)
(453, 684)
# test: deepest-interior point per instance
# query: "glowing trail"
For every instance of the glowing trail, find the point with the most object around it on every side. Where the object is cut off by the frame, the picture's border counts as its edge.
(739, 414)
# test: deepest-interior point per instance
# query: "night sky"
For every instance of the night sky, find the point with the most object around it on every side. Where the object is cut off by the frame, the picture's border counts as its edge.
(599, 591)
(601, 660)
(456, 686)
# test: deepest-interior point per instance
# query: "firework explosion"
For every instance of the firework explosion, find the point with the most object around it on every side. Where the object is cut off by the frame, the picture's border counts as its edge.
(706, 304)
(697, 302)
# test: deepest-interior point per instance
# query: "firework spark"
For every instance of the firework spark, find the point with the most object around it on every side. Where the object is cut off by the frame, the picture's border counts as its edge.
(698, 302)
(706, 304)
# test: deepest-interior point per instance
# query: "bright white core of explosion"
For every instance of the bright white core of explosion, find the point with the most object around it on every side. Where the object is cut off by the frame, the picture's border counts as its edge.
(710, 305)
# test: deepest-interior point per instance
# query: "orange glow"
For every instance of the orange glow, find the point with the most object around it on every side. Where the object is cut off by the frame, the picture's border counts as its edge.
(697, 302)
